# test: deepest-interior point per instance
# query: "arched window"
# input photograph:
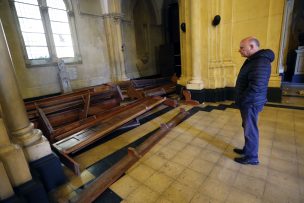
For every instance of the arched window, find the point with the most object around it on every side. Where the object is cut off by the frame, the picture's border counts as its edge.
(47, 30)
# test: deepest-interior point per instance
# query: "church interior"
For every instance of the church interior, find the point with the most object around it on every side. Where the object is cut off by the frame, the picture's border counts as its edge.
(133, 101)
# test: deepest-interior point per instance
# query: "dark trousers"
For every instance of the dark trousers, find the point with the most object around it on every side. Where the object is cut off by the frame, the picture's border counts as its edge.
(251, 132)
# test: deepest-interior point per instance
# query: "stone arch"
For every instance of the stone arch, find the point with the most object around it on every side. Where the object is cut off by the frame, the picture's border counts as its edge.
(153, 8)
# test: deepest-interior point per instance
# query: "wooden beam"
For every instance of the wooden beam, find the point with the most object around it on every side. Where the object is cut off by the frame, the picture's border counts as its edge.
(106, 179)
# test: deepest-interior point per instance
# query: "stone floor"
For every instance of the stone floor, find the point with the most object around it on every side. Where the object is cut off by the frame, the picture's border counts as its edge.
(194, 162)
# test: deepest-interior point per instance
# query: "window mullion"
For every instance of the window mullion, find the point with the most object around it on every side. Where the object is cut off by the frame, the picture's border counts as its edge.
(48, 30)
(12, 6)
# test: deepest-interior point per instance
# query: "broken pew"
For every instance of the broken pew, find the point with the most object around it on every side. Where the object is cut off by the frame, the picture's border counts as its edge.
(150, 87)
(109, 122)
(105, 180)
(73, 111)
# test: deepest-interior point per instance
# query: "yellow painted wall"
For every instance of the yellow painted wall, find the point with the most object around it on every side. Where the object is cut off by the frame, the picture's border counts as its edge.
(239, 19)
(260, 18)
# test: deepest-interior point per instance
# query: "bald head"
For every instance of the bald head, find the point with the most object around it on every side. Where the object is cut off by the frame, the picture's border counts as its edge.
(249, 46)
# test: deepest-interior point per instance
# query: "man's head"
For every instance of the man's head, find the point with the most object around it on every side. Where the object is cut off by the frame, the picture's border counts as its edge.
(249, 46)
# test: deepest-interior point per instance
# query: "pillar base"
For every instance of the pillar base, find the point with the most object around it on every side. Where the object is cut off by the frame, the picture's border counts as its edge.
(37, 150)
(195, 85)
(124, 78)
(15, 164)
(49, 171)
(26, 136)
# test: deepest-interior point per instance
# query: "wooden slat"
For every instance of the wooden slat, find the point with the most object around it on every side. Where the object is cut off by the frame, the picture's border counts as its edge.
(86, 100)
(112, 123)
(100, 117)
(68, 162)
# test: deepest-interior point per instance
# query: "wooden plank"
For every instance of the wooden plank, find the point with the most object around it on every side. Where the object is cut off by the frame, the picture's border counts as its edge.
(100, 117)
(86, 100)
(68, 162)
(112, 123)
(81, 139)
(188, 100)
(46, 126)
(106, 179)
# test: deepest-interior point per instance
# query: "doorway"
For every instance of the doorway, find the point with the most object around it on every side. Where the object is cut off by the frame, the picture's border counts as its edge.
(291, 61)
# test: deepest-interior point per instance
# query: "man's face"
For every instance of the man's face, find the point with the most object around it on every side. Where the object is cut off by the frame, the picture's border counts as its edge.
(245, 49)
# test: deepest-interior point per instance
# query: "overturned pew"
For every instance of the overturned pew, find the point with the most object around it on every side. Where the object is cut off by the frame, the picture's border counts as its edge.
(63, 115)
(151, 87)
(104, 124)
(106, 179)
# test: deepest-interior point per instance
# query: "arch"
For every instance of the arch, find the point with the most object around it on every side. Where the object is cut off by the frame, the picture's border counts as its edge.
(152, 6)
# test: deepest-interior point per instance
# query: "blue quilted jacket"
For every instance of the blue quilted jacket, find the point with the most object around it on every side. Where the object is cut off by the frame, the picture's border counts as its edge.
(252, 81)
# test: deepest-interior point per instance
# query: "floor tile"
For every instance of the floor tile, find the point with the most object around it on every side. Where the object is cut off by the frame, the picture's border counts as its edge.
(281, 165)
(141, 173)
(176, 145)
(276, 194)
(178, 193)
(167, 153)
(125, 185)
(142, 194)
(290, 183)
(191, 178)
(159, 182)
(229, 163)
(155, 162)
(209, 155)
(260, 172)
(238, 196)
(215, 189)
(172, 169)
(224, 175)
(191, 151)
(252, 185)
(182, 159)
(202, 166)
(201, 198)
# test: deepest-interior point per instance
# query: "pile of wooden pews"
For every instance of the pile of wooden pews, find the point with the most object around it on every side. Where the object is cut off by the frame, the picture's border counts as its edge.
(141, 88)
(75, 120)
(63, 115)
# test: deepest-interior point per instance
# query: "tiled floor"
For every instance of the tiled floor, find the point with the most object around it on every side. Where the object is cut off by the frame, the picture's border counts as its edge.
(194, 162)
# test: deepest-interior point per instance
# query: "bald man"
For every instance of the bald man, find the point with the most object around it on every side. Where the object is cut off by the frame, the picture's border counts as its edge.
(251, 95)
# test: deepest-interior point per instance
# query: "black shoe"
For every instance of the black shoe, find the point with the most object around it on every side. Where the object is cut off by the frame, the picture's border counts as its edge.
(246, 160)
(238, 151)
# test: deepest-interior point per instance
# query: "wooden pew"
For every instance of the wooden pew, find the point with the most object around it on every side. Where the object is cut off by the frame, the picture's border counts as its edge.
(102, 126)
(69, 113)
(151, 87)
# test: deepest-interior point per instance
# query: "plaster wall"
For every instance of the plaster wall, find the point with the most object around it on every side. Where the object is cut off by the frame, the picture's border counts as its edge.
(143, 34)
(95, 66)
(43, 80)
(220, 44)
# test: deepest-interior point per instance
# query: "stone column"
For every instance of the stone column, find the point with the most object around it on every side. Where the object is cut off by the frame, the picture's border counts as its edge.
(196, 82)
(6, 189)
(111, 11)
(20, 129)
(115, 44)
(13, 161)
